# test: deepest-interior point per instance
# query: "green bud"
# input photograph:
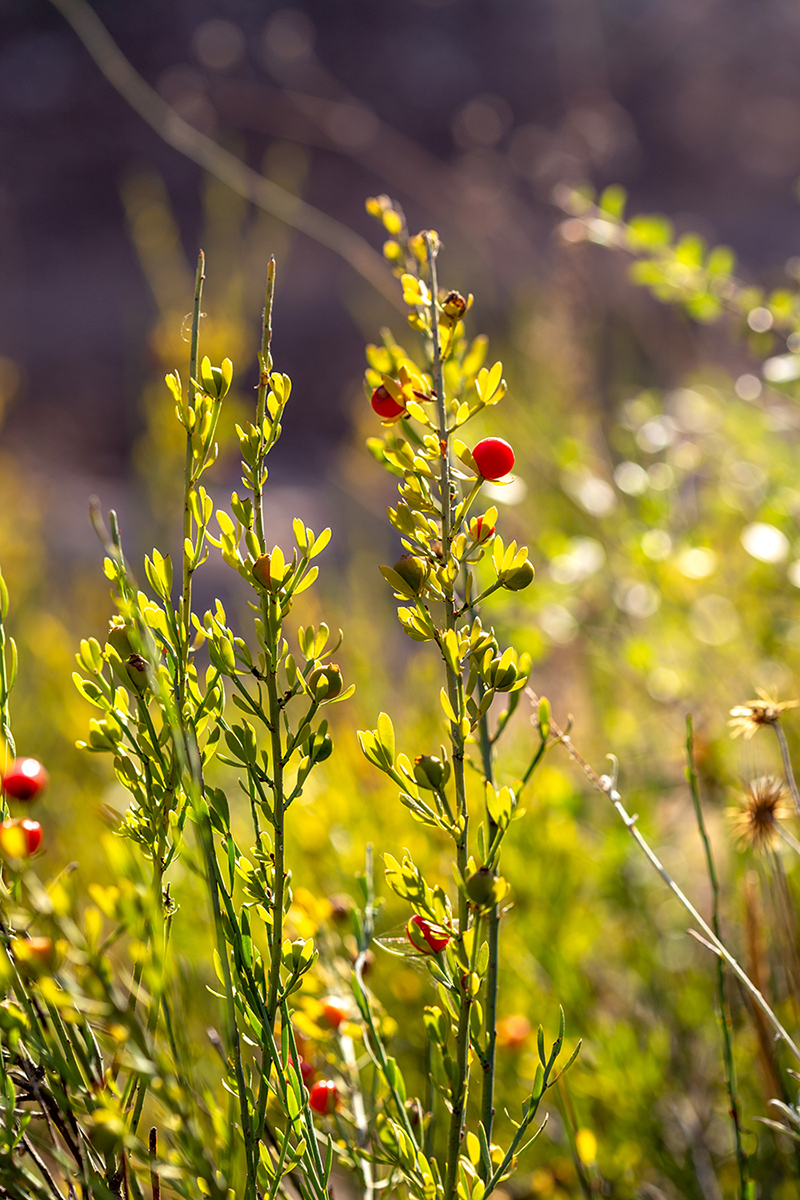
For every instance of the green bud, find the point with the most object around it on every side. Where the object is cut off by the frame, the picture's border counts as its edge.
(325, 683)
(216, 381)
(518, 577)
(430, 772)
(320, 747)
(413, 571)
(544, 718)
(502, 679)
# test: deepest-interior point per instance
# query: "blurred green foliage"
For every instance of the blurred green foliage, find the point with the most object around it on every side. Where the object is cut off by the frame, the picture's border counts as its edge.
(664, 530)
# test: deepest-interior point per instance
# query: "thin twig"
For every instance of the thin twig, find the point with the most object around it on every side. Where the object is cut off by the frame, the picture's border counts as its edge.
(606, 785)
(218, 161)
(787, 765)
(155, 1182)
(724, 1008)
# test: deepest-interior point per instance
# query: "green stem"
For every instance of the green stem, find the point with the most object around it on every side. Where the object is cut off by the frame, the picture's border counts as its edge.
(233, 1029)
(461, 1083)
(724, 1008)
(265, 369)
(188, 484)
(5, 717)
(492, 970)
(608, 788)
(787, 765)
(278, 817)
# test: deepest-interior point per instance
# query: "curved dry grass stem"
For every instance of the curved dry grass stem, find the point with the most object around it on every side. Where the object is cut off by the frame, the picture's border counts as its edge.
(607, 785)
(218, 161)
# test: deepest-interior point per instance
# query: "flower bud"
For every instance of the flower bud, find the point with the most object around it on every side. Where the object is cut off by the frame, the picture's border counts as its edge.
(325, 683)
(544, 718)
(454, 305)
(216, 381)
(266, 577)
(518, 577)
(413, 571)
(502, 679)
(430, 772)
(320, 747)
(425, 936)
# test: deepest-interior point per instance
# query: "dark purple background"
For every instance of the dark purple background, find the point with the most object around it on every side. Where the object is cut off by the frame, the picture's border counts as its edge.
(694, 105)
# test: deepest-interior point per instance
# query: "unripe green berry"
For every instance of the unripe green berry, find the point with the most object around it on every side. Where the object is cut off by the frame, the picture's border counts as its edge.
(481, 887)
(518, 577)
(325, 683)
(430, 772)
(119, 637)
(136, 668)
(413, 571)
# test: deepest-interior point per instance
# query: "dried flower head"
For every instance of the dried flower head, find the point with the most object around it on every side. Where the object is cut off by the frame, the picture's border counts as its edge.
(747, 718)
(763, 802)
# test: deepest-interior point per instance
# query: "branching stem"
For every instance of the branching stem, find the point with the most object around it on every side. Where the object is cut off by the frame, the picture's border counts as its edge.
(606, 785)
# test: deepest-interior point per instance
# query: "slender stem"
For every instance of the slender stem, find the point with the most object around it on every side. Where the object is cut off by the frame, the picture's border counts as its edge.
(787, 765)
(233, 1029)
(722, 999)
(454, 691)
(265, 369)
(607, 787)
(278, 828)
(218, 161)
(155, 1182)
(493, 967)
(188, 485)
(6, 736)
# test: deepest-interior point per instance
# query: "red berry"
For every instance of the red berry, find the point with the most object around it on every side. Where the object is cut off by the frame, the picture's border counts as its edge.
(25, 778)
(385, 405)
(494, 458)
(323, 1097)
(20, 839)
(334, 1011)
(425, 936)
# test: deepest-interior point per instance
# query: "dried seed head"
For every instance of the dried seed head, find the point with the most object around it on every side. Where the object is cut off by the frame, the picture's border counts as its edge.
(762, 803)
(749, 717)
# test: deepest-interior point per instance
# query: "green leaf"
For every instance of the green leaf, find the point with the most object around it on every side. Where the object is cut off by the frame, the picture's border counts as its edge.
(385, 737)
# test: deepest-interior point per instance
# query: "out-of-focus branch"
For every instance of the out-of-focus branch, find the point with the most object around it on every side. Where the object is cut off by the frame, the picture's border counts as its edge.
(607, 786)
(218, 161)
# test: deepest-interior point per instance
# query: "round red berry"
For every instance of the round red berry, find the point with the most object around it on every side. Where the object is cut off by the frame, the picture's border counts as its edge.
(493, 457)
(385, 405)
(25, 779)
(425, 936)
(323, 1097)
(20, 839)
(334, 1011)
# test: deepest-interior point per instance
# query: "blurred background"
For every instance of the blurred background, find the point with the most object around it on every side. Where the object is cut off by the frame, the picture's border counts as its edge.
(658, 484)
